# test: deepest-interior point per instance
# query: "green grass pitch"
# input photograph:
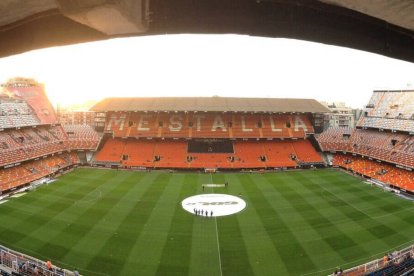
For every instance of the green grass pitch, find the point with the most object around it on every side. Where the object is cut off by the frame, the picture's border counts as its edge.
(108, 222)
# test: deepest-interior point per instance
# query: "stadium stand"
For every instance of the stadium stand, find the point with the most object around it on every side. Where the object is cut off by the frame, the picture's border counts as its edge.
(16, 114)
(196, 133)
(392, 110)
(207, 125)
(335, 139)
(32, 142)
(32, 170)
(111, 151)
(184, 154)
(388, 142)
(26, 143)
(23, 99)
(388, 139)
(208, 117)
(170, 154)
(387, 146)
(305, 152)
(386, 173)
(81, 137)
(137, 152)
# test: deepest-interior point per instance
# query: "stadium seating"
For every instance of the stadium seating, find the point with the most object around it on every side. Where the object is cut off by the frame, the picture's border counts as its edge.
(30, 134)
(33, 170)
(385, 173)
(81, 137)
(384, 133)
(247, 154)
(16, 114)
(169, 153)
(26, 143)
(18, 145)
(305, 152)
(210, 160)
(207, 125)
(246, 126)
(335, 139)
(36, 98)
(280, 154)
(396, 148)
(138, 153)
(174, 126)
(111, 151)
(391, 110)
(146, 125)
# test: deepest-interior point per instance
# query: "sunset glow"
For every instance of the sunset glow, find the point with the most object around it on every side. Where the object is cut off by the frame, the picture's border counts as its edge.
(199, 65)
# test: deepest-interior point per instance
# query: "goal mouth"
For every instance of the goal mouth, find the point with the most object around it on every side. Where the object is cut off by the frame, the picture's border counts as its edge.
(213, 205)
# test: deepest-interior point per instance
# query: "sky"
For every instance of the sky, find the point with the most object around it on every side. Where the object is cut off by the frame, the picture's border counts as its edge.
(208, 65)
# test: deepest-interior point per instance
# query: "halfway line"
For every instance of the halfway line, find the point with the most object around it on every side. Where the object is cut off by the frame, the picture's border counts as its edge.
(218, 243)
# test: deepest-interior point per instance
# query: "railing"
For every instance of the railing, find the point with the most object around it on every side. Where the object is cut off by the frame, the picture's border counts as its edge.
(13, 262)
(395, 258)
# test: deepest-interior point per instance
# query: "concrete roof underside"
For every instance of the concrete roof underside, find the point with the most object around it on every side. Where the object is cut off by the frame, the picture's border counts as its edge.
(209, 104)
(382, 26)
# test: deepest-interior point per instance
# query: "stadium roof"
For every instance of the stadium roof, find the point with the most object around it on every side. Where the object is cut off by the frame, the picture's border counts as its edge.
(382, 26)
(217, 104)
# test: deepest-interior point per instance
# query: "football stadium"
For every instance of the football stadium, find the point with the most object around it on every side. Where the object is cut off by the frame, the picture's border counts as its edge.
(206, 185)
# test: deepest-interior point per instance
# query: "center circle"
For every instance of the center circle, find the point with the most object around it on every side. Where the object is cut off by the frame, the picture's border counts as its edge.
(215, 205)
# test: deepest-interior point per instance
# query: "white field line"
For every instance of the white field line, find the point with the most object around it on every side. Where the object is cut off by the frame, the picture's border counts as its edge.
(218, 246)
(218, 242)
(346, 202)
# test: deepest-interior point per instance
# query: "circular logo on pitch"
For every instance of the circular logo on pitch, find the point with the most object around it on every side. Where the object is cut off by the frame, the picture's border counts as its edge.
(215, 204)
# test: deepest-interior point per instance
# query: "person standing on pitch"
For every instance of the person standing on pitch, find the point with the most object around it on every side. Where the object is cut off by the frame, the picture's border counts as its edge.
(211, 213)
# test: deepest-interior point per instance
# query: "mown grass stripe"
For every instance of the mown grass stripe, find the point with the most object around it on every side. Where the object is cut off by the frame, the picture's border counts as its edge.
(176, 254)
(154, 233)
(360, 225)
(111, 249)
(33, 221)
(283, 239)
(75, 226)
(298, 216)
(87, 242)
(340, 241)
(374, 220)
(204, 255)
(234, 258)
(264, 258)
(368, 222)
